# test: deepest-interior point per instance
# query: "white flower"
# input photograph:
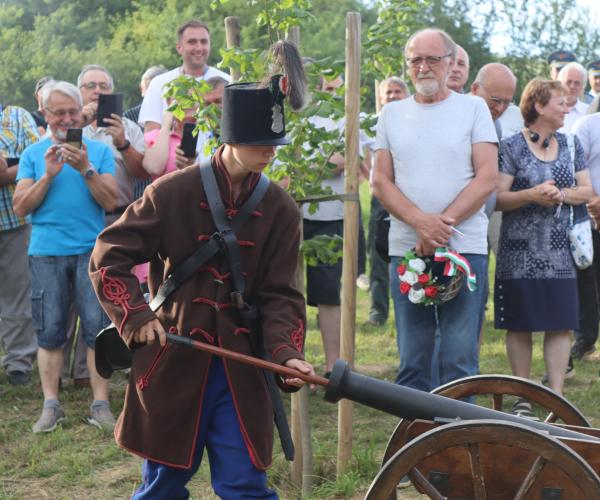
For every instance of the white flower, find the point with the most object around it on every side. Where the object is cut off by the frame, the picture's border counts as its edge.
(417, 264)
(416, 296)
(409, 277)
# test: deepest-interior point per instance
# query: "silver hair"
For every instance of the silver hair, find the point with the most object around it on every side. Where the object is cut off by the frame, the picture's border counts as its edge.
(446, 38)
(65, 88)
(395, 80)
(153, 71)
(95, 67)
(572, 65)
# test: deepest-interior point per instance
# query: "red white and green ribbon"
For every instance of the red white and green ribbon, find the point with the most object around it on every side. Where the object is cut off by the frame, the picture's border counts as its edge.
(455, 261)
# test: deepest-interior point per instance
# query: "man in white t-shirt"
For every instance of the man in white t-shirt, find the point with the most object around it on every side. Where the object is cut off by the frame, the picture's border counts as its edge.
(573, 76)
(436, 163)
(193, 45)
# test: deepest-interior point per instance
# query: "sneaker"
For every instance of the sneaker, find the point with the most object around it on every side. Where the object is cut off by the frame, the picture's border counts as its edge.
(18, 378)
(522, 408)
(49, 419)
(581, 349)
(101, 417)
(363, 283)
(570, 373)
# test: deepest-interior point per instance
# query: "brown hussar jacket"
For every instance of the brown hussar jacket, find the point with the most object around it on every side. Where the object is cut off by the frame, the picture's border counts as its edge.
(163, 402)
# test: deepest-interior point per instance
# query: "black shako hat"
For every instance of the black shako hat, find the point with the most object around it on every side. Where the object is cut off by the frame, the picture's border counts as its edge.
(253, 113)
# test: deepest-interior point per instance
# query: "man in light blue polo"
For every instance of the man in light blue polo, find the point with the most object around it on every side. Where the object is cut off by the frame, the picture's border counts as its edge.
(67, 190)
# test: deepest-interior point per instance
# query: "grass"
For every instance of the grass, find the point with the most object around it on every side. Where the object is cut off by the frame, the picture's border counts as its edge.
(80, 461)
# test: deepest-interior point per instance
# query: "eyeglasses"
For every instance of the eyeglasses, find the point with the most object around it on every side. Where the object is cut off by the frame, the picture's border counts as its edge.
(432, 61)
(93, 85)
(497, 100)
(61, 113)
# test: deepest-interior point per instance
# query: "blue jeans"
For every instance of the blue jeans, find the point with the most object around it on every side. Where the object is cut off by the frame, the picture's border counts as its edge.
(53, 278)
(233, 476)
(459, 322)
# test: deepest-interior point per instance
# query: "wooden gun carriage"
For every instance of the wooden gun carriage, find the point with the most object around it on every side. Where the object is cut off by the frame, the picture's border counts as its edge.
(449, 448)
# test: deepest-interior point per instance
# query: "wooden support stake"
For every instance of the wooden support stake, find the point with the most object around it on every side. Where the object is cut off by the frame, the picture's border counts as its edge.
(293, 35)
(233, 39)
(350, 262)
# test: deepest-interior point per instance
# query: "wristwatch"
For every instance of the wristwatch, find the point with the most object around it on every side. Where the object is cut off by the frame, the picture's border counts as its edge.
(124, 146)
(89, 172)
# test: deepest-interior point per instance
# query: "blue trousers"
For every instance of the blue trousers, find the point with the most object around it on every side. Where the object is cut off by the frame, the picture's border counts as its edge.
(233, 476)
(459, 322)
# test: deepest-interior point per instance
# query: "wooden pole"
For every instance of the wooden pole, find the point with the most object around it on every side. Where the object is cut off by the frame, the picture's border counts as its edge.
(233, 39)
(302, 466)
(350, 262)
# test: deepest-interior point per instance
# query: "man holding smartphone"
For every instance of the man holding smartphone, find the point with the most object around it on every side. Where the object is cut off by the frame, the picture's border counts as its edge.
(66, 190)
(122, 136)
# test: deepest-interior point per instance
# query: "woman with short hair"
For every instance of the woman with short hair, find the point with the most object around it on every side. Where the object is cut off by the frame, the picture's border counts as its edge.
(542, 174)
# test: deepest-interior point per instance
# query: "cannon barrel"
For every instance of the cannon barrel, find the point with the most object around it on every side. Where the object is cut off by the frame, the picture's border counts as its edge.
(412, 404)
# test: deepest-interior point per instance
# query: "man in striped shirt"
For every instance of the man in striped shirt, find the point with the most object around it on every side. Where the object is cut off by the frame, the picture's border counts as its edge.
(17, 337)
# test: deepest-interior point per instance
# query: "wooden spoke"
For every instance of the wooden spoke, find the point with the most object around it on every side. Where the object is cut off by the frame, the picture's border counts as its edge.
(422, 482)
(497, 401)
(476, 471)
(532, 475)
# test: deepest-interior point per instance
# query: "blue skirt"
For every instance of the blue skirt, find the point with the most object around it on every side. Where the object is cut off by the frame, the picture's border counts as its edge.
(534, 305)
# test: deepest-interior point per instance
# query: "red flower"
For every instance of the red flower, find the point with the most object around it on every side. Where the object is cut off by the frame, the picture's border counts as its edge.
(401, 269)
(431, 291)
(423, 278)
(404, 288)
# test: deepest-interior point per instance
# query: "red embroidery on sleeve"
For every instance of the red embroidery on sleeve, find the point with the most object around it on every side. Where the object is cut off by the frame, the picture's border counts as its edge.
(241, 330)
(297, 336)
(116, 291)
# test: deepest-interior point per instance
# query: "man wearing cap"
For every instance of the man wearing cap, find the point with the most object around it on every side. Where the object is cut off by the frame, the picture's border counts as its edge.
(594, 79)
(557, 60)
(181, 400)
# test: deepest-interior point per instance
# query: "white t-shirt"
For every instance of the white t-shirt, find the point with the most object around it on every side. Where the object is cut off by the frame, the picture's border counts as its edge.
(577, 111)
(587, 129)
(511, 121)
(154, 104)
(431, 147)
(332, 210)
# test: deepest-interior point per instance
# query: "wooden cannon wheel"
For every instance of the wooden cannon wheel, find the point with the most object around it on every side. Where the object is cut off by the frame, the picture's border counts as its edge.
(474, 438)
(502, 385)
(497, 386)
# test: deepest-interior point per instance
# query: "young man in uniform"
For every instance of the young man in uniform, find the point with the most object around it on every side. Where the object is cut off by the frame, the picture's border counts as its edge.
(181, 400)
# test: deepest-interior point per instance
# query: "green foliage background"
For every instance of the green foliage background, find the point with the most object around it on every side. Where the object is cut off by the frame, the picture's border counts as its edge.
(54, 37)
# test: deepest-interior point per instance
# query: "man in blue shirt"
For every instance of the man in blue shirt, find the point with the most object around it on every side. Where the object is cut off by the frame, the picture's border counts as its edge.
(66, 189)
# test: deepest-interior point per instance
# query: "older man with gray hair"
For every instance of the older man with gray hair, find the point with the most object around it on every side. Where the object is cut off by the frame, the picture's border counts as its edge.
(66, 188)
(433, 173)
(573, 76)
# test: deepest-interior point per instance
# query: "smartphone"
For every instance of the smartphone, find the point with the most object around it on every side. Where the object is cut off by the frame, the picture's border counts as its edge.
(74, 137)
(107, 105)
(189, 140)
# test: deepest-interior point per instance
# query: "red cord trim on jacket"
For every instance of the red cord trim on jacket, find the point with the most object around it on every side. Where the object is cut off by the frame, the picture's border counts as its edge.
(297, 336)
(204, 205)
(251, 451)
(230, 212)
(215, 305)
(257, 213)
(240, 330)
(116, 291)
(207, 336)
(246, 243)
(218, 276)
(204, 237)
(192, 449)
(143, 381)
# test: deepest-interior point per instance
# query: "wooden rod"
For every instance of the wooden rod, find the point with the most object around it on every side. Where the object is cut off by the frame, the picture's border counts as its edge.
(233, 39)
(351, 213)
(248, 360)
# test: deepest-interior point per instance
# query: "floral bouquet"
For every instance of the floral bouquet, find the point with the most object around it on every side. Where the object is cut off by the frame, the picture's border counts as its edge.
(423, 285)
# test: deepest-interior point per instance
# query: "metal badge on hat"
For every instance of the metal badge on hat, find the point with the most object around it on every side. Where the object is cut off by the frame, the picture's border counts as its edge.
(277, 118)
